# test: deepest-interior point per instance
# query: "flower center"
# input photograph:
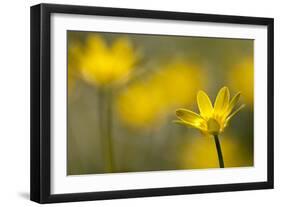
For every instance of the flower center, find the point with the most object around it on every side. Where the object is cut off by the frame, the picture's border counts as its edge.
(213, 126)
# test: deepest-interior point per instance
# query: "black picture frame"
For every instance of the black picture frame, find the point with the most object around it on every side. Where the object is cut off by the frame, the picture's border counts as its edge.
(41, 98)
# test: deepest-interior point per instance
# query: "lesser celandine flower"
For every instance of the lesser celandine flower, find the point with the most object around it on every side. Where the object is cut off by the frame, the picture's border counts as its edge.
(103, 64)
(173, 77)
(212, 119)
(140, 105)
(146, 104)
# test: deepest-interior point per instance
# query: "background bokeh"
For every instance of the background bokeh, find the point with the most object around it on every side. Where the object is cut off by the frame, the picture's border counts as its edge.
(162, 73)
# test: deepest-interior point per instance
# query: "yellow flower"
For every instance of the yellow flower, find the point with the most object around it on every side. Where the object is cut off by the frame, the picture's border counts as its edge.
(102, 64)
(147, 103)
(212, 120)
(140, 106)
(172, 79)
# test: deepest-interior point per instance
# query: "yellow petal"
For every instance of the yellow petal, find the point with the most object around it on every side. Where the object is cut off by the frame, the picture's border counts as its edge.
(191, 118)
(96, 44)
(187, 115)
(186, 123)
(122, 46)
(204, 104)
(235, 112)
(178, 122)
(233, 103)
(222, 101)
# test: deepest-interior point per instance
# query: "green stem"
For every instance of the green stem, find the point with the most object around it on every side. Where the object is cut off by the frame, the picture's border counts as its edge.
(218, 146)
(109, 130)
(105, 116)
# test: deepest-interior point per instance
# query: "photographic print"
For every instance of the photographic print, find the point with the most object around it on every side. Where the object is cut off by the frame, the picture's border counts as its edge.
(146, 102)
(132, 103)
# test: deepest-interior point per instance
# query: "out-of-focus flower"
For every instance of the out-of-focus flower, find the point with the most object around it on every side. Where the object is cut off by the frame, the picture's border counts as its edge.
(73, 59)
(104, 65)
(212, 120)
(140, 105)
(241, 78)
(179, 81)
(144, 104)
(199, 153)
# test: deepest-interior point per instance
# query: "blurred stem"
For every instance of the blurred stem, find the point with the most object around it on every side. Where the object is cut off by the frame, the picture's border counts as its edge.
(218, 146)
(105, 119)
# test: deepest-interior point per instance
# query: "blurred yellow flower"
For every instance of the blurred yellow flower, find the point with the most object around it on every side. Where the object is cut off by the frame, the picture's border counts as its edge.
(212, 120)
(179, 80)
(140, 105)
(241, 78)
(199, 153)
(102, 64)
(145, 104)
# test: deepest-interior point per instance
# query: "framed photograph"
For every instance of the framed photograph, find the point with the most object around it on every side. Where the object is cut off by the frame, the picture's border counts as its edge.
(133, 103)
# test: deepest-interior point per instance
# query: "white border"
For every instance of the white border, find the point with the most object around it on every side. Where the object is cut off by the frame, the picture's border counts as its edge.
(60, 183)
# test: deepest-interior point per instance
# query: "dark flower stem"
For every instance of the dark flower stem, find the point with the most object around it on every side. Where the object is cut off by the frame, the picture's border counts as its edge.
(218, 146)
